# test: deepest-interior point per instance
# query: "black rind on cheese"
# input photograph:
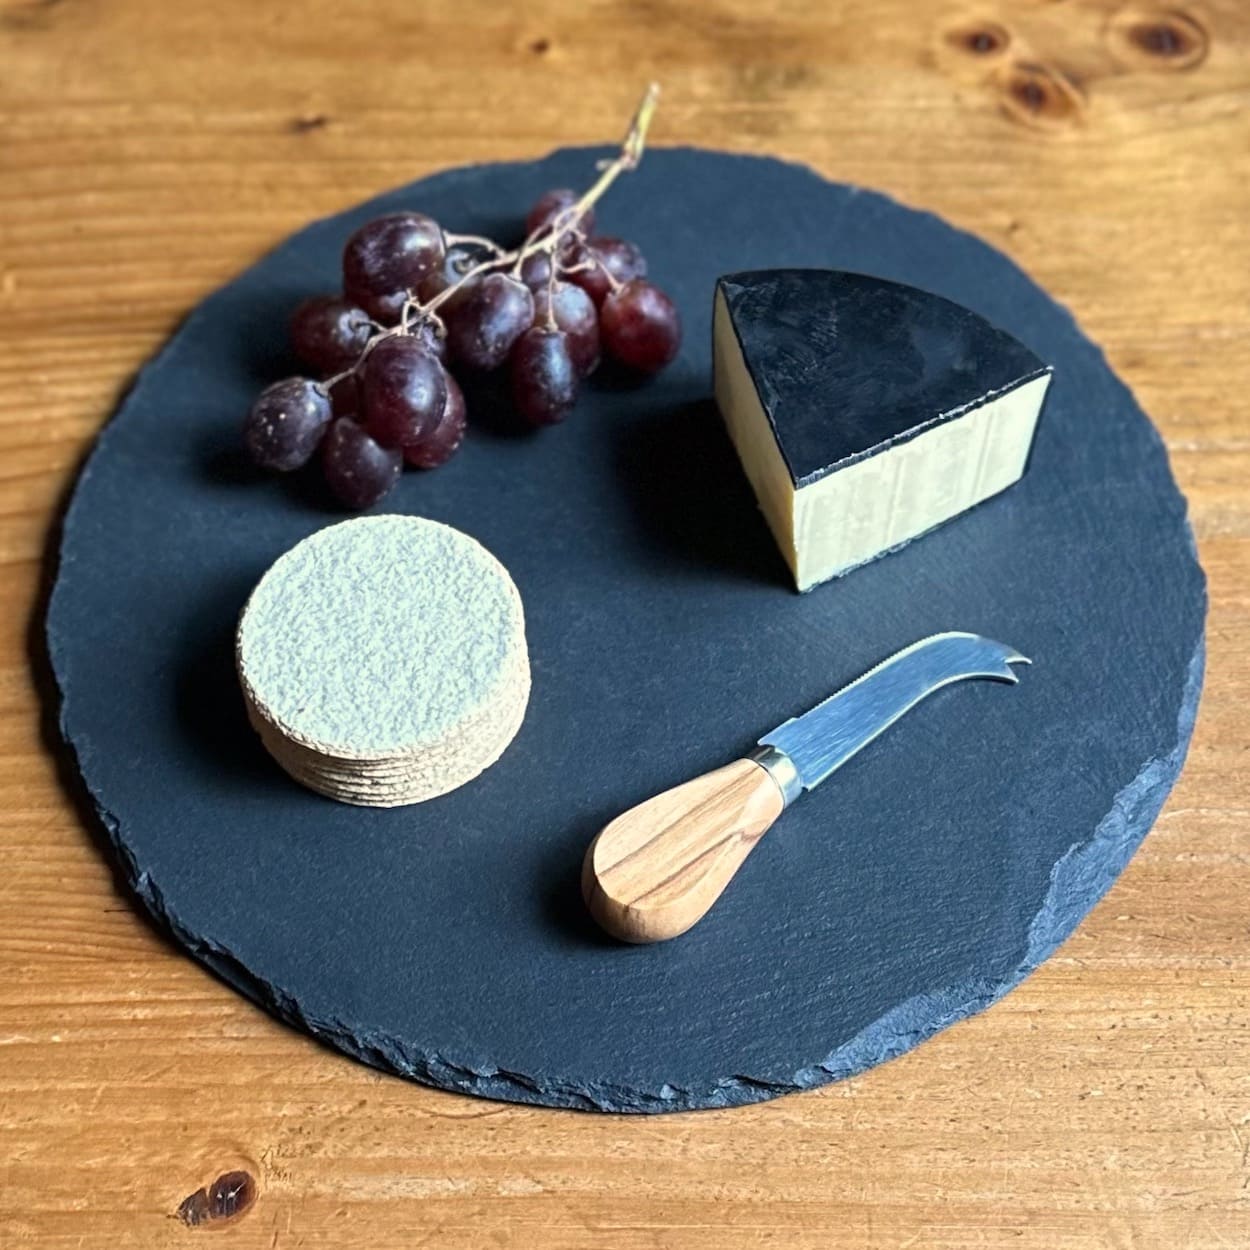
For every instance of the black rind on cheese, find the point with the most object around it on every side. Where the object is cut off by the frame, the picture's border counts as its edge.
(847, 365)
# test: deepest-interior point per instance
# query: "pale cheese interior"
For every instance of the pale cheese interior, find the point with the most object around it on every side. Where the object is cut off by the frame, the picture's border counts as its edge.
(854, 514)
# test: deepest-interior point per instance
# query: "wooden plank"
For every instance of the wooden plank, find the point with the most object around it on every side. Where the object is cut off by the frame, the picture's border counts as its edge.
(150, 151)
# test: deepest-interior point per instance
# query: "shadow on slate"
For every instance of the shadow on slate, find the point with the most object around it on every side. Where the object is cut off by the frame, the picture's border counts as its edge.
(210, 715)
(692, 502)
(446, 942)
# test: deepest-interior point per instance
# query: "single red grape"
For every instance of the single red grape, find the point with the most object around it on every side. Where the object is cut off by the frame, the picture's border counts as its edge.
(536, 270)
(358, 470)
(389, 257)
(402, 391)
(544, 377)
(549, 205)
(329, 334)
(620, 258)
(491, 315)
(640, 326)
(438, 446)
(286, 423)
(575, 314)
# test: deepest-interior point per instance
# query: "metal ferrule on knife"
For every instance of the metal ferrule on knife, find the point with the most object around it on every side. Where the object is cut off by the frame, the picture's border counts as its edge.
(781, 768)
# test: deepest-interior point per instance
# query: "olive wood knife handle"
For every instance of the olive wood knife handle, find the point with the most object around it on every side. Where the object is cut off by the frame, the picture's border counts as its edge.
(656, 870)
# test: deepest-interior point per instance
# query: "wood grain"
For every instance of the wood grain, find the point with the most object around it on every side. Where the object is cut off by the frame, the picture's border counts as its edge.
(148, 151)
(655, 870)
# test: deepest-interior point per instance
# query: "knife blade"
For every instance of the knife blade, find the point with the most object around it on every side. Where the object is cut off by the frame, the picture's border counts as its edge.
(655, 871)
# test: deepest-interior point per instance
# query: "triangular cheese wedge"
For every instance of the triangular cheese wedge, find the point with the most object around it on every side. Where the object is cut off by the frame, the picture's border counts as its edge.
(866, 412)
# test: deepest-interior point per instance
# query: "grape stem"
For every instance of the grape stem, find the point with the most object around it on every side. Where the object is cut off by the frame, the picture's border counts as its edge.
(630, 154)
(593, 262)
(549, 238)
(474, 240)
(551, 296)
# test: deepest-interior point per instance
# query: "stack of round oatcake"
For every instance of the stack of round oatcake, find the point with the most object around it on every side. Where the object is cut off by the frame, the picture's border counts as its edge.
(383, 660)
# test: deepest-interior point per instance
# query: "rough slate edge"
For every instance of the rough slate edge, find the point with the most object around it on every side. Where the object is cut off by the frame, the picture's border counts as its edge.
(1077, 880)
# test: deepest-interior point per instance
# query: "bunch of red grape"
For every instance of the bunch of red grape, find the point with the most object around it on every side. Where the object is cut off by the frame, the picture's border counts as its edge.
(420, 305)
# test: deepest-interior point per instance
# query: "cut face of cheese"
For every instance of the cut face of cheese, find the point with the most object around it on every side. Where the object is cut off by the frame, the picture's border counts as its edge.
(865, 412)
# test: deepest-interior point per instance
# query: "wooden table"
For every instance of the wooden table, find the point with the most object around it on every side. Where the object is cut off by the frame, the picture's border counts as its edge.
(148, 151)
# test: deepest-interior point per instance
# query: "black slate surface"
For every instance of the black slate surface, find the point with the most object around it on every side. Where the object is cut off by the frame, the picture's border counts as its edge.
(447, 942)
(848, 364)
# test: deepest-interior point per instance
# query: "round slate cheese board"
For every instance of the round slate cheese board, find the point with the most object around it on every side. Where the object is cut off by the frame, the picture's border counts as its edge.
(448, 941)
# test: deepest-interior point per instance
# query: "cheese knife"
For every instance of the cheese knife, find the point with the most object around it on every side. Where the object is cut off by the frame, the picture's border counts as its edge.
(656, 870)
